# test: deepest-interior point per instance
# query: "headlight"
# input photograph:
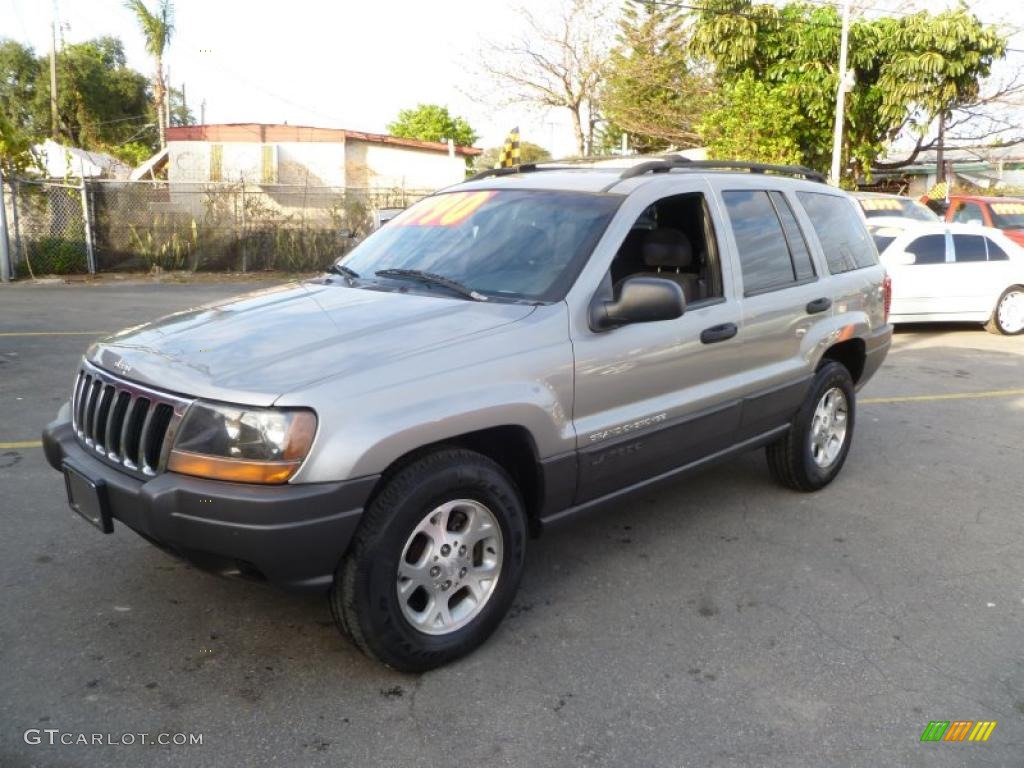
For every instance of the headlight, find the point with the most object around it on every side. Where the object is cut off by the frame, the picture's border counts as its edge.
(247, 445)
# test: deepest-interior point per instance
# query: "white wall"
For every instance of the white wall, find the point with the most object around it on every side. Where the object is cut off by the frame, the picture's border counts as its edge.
(316, 164)
(370, 164)
(188, 161)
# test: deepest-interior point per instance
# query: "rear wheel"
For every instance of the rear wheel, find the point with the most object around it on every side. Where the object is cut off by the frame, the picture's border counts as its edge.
(435, 564)
(1008, 316)
(811, 453)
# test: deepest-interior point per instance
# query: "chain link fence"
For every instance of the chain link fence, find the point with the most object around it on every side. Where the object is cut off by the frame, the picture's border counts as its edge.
(47, 232)
(115, 226)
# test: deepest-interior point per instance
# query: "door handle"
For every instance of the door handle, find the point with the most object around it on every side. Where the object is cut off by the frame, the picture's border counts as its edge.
(718, 333)
(818, 305)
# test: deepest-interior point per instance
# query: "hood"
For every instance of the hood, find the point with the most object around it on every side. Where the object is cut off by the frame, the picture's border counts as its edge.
(253, 348)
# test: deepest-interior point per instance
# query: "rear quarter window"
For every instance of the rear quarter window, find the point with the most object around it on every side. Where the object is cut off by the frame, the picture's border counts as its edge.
(843, 237)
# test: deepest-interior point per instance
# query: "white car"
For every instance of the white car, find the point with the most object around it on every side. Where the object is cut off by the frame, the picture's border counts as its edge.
(953, 272)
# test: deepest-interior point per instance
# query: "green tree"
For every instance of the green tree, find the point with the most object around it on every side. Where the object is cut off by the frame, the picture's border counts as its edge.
(652, 91)
(157, 28)
(101, 101)
(432, 122)
(19, 74)
(908, 69)
(528, 153)
(15, 148)
(745, 124)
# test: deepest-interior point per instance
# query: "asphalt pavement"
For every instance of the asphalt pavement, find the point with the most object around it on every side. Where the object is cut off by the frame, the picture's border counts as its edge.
(722, 621)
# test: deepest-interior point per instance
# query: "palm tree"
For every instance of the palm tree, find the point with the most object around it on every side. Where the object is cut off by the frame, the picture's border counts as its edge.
(157, 28)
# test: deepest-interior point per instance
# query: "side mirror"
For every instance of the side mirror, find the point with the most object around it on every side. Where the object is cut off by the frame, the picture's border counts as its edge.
(640, 300)
(900, 259)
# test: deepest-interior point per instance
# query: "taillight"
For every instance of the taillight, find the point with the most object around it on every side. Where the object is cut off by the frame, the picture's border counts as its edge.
(887, 295)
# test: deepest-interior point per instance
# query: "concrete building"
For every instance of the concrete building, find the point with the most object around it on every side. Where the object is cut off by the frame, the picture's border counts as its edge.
(289, 155)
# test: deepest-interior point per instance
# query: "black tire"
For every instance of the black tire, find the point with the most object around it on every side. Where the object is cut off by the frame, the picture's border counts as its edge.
(993, 325)
(364, 600)
(790, 459)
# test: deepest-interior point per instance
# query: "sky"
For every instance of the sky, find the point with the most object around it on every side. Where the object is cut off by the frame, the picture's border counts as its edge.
(338, 64)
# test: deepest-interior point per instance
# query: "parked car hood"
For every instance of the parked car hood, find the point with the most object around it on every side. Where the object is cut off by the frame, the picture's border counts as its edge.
(253, 348)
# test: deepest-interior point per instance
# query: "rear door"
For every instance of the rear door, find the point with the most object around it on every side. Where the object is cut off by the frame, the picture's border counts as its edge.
(782, 296)
(973, 279)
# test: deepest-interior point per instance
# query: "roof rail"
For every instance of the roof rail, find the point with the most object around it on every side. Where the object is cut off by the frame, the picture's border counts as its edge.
(669, 163)
(564, 164)
(505, 171)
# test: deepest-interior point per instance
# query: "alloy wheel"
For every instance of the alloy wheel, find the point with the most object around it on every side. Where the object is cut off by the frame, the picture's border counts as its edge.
(829, 427)
(450, 566)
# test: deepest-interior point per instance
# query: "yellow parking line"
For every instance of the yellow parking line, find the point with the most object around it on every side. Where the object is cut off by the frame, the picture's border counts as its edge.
(55, 333)
(22, 444)
(951, 396)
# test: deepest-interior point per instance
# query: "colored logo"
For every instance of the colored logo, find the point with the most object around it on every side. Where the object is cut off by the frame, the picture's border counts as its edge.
(958, 730)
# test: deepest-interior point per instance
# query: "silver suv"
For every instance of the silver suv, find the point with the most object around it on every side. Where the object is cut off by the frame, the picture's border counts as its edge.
(504, 355)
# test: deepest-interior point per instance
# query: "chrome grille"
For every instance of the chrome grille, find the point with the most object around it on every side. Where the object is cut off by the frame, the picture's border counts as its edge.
(126, 424)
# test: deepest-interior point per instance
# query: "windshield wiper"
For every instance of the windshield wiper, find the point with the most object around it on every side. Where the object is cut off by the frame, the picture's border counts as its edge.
(341, 269)
(430, 277)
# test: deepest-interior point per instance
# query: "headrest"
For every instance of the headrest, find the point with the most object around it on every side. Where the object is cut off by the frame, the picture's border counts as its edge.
(665, 247)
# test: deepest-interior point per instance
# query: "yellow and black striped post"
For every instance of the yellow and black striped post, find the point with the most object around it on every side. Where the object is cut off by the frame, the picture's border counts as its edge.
(509, 156)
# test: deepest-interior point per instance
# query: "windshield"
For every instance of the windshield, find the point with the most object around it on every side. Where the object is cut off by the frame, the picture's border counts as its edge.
(896, 206)
(1008, 215)
(514, 244)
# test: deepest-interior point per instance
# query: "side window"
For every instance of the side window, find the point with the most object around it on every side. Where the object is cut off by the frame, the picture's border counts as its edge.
(995, 253)
(968, 248)
(794, 237)
(969, 213)
(673, 239)
(882, 241)
(763, 250)
(840, 230)
(930, 249)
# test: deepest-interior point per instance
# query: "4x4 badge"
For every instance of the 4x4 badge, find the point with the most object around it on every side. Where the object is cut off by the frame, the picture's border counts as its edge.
(122, 366)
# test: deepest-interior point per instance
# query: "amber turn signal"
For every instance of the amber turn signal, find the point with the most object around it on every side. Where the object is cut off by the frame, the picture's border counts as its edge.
(236, 470)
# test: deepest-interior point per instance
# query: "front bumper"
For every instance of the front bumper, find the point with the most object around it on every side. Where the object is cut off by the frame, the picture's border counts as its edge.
(292, 536)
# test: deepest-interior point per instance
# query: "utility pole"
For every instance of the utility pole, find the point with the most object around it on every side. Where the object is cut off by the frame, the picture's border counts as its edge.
(5, 254)
(844, 86)
(167, 97)
(940, 153)
(202, 112)
(53, 73)
(184, 102)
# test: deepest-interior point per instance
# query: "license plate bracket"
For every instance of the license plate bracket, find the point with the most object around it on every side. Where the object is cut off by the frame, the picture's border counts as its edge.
(88, 498)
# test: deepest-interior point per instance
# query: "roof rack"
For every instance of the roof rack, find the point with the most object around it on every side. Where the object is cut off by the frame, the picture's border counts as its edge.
(508, 171)
(668, 163)
(663, 164)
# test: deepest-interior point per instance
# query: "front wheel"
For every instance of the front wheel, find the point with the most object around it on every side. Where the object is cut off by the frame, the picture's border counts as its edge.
(1008, 316)
(435, 563)
(811, 453)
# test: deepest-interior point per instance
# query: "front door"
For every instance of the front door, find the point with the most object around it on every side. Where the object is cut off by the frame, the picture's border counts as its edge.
(653, 396)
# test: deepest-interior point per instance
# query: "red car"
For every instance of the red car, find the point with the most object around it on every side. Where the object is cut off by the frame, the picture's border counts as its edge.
(1005, 213)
